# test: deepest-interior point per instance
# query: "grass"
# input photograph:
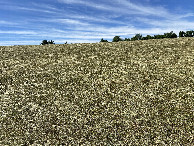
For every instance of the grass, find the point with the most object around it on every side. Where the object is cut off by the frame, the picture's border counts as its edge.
(125, 93)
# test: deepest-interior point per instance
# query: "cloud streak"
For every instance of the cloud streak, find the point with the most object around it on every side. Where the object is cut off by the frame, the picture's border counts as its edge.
(18, 32)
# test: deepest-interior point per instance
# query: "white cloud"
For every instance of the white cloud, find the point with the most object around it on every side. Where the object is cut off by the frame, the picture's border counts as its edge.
(71, 1)
(96, 19)
(7, 22)
(17, 32)
(184, 15)
(67, 21)
(144, 10)
(175, 25)
(93, 5)
(34, 9)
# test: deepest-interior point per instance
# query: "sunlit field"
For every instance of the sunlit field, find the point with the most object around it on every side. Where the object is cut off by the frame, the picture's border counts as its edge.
(125, 93)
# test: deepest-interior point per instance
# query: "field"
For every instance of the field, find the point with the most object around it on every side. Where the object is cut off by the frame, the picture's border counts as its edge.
(125, 93)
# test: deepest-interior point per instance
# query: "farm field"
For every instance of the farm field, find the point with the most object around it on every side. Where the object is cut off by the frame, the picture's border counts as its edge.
(125, 93)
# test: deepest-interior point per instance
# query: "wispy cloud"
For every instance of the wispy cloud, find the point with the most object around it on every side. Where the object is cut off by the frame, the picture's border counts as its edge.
(87, 3)
(96, 18)
(99, 6)
(17, 32)
(7, 22)
(175, 25)
(34, 9)
(67, 21)
(142, 9)
(122, 7)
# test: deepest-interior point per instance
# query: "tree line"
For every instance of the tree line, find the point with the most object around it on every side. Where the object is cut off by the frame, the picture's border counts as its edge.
(165, 35)
(140, 37)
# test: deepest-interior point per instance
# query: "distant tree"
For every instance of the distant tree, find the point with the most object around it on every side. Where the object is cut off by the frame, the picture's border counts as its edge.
(150, 37)
(170, 35)
(133, 38)
(127, 39)
(181, 34)
(117, 39)
(137, 37)
(189, 33)
(45, 42)
(186, 34)
(102, 40)
(144, 38)
(192, 33)
(174, 35)
(159, 36)
(51, 42)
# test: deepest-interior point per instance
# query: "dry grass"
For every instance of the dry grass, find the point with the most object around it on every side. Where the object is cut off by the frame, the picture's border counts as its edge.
(126, 93)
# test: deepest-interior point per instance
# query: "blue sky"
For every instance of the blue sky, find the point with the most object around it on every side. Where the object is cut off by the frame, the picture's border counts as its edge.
(28, 22)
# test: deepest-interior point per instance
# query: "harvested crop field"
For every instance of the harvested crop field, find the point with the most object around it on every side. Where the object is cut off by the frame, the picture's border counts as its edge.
(125, 93)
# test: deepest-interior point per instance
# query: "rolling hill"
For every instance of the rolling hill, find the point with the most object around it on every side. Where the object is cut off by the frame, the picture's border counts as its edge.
(125, 93)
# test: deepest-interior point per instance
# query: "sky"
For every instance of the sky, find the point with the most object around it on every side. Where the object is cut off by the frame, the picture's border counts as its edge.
(28, 22)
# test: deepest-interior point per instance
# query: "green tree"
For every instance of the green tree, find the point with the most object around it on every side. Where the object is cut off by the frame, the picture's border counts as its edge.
(117, 39)
(159, 36)
(149, 37)
(137, 37)
(134, 38)
(144, 38)
(189, 33)
(181, 34)
(170, 35)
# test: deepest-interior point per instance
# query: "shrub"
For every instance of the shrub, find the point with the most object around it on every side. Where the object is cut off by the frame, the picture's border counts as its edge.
(102, 40)
(44, 42)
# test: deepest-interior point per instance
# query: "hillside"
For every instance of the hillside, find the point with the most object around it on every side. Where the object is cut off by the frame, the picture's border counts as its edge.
(125, 93)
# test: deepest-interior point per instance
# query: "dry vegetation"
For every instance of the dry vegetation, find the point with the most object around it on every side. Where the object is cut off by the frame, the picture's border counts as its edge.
(126, 93)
